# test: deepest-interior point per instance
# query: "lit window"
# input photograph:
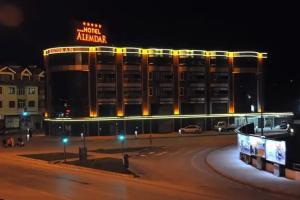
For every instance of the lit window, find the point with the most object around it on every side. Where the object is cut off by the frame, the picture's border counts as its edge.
(11, 90)
(31, 90)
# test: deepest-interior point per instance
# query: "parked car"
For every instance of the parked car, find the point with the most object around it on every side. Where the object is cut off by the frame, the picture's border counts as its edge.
(284, 125)
(190, 129)
(3, 131)
(6, 131)
(223, 126)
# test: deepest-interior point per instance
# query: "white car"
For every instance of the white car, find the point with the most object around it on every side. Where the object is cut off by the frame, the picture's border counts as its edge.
(223, 126)
(190, 129)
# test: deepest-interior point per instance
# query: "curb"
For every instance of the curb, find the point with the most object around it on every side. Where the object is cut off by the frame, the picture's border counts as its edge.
(264, 189)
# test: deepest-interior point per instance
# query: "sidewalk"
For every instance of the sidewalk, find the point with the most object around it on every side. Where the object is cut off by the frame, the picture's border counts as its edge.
(152, 135)
(226, 162)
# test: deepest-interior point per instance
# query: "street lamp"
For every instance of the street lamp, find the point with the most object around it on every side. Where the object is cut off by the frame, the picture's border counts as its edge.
(122, 139)
(65, 140)
(83, 136)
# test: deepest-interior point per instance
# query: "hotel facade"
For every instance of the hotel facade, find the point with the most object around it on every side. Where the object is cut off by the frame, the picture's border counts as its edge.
(85, 82)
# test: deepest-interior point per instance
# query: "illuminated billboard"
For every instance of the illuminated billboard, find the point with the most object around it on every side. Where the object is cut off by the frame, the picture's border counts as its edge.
(276, 151)
(90, 32)
(244, 144)
(257, 146)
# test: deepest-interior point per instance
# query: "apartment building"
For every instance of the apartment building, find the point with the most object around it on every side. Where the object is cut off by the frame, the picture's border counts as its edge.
(22, 97)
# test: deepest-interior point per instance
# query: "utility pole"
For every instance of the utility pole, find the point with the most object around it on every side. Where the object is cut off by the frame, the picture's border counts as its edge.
(262, 122)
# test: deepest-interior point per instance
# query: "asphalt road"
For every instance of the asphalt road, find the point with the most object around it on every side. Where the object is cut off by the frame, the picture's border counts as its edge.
(176, 170)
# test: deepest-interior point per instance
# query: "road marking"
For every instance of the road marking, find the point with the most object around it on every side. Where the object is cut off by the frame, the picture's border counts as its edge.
(196, 166)
(162, 153)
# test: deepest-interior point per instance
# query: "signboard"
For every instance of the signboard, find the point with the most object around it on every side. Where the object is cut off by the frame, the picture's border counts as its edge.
(257, 146)
(12, 122)
(276, 151)
(90, 32)
(244, 144)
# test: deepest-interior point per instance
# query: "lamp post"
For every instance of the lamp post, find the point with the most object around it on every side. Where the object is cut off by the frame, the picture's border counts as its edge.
(65, 141)
(262, 123)
(83, 135)
(122, 139)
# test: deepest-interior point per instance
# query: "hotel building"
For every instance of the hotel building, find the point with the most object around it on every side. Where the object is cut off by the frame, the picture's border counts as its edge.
(103, 81)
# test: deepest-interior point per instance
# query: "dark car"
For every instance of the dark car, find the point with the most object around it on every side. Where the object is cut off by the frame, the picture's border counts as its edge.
(6, 131)
(284, 125)
(3, 131)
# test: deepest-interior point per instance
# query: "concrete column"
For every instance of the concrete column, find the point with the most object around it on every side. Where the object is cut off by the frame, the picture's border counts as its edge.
(207, 81)
(260, 86)
(145, 85)
(176, 104)
(119, 84)
(231, 106)
(48, 87)
(92, 81)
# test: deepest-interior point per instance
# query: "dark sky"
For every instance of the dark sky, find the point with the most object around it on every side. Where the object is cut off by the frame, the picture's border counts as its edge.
(33, 25)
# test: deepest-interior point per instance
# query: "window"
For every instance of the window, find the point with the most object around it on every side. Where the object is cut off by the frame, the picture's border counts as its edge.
(31, 103)
(150, 76)
(182, 75)
(11, 90)
(166, 76)
(6, 77)
(107, 77)
(21, 103)
(26, 78)
(166, 92)
(11, 104)
(181, 91)
(31, 90)
(21, 91)
(150, 91)
(213, 61)
(0, 104)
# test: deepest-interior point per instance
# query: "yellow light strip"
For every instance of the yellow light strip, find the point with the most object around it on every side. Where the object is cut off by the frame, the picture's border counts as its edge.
(152, 51)
(157, 117)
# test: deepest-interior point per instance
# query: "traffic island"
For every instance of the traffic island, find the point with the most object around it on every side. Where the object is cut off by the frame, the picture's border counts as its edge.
(138, 150)
(106, 164)
(51, 157)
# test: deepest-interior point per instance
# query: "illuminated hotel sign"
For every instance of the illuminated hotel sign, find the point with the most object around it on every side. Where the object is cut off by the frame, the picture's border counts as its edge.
(90, 32)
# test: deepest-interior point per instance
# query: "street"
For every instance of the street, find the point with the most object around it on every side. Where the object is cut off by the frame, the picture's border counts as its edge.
(176, 169)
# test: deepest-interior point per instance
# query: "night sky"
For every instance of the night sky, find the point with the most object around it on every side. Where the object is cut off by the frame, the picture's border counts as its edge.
(27, 27)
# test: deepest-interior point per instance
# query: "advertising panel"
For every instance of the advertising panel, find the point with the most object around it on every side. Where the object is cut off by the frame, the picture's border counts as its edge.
(276, 151)
(12, 122)
(257, 146)
(244, 144)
